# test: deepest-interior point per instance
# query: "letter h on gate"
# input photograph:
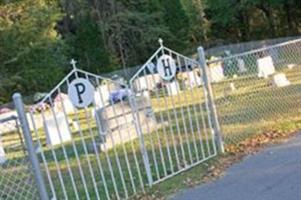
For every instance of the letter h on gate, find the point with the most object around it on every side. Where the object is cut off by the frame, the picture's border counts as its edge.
(167, 68)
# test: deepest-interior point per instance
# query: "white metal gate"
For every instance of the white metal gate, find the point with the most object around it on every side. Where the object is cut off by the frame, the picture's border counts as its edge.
(91, 152)
(179, 134)
(105, 140)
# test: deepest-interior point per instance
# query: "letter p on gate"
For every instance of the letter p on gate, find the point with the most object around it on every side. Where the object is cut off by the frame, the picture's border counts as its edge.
(80, 90)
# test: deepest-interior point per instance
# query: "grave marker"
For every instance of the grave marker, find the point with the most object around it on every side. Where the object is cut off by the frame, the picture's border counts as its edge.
(193, 79)
(57, 130)
(280, 80)
(102, 96)
(2, 153)
(172, 88)
(216, 73)
(241, 66)
(64, 99)
(265, 67)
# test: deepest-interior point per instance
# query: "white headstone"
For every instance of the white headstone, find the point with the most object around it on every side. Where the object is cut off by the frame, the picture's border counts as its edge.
(102, 96)
(63, 100)
(172, 88)
(280, 80)
(151, 67)
(145, 94)
(216, 73)
(2, 154)
(232, 87)
(291, 66)
(100, 121)
(57, 131)
(265, 67)
(194, 80)
(241, 66)
(147, 82)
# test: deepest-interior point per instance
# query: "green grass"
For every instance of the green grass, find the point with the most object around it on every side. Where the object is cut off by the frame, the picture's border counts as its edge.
(252, 108)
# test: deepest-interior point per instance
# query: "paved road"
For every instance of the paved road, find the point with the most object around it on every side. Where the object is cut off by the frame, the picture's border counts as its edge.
(273, 174)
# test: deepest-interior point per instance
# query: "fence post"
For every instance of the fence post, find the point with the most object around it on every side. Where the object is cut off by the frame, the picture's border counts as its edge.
(17, 98)
(212, 107)
(137, 124)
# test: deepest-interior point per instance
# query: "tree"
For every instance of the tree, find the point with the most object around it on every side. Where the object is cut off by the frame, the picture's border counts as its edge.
(30, 48)
(177, 22)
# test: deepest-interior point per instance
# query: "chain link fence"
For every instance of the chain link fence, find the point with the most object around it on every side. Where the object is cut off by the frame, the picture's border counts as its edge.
(257, 89)
(222, 50)
(16, 177)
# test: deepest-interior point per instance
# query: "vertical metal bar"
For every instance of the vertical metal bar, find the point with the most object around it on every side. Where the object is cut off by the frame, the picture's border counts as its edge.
(57, 165)
(184, 120)
(74, 146)
(160, 120)
(63, 147)
(99, 125)
(214, 116)
(117, 157)
(17, 98)
(145, 157)
(136, 82)
(148, 128)
(42, 155)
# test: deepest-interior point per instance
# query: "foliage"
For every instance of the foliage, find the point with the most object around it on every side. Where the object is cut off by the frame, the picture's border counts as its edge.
(31, 52)
(39, 37)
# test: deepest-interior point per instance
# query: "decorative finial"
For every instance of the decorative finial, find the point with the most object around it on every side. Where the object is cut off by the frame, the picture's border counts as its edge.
(73, 63)
(160, 42)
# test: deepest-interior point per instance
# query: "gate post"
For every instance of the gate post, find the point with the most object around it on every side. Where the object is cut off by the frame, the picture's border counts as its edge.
(137, 124)
(212, 108)
(17, 98)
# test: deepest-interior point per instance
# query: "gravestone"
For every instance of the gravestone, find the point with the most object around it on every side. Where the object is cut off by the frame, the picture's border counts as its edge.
(265, 67)
(2, 154)
(193, 79)
(151, 67)
(57, 133)
(216, 73)
(280, 80)
(102, 95)
(291, 66)
(116, 123)
(147, 82)
(241, 66)
(172, 88)
(63, 100)
(232, 87)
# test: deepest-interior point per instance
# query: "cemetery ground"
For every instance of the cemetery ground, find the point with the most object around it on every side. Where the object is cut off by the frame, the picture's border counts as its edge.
(253, 114)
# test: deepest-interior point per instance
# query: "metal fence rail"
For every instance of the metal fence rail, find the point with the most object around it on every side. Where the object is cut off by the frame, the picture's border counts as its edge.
(16, 176)
(257, 89)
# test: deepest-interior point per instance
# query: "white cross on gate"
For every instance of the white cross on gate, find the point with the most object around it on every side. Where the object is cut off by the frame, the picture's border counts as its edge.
(73, 63)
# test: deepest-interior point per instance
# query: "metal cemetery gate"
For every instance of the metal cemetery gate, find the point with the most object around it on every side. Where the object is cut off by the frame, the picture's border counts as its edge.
(105, 140)
(180, 133)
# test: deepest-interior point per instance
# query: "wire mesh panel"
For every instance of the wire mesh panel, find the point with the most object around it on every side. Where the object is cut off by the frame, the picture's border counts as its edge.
(178, 133)
(16, 177)
(89, 152)
(257, 89)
